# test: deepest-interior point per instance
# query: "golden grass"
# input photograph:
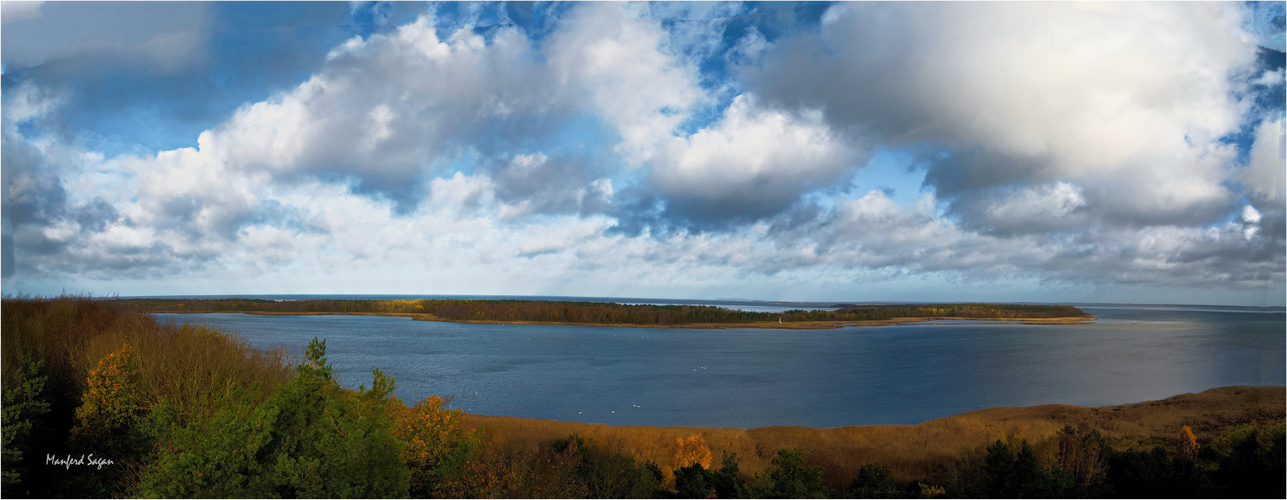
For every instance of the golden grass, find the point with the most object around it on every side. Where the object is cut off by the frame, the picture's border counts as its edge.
(914, 451)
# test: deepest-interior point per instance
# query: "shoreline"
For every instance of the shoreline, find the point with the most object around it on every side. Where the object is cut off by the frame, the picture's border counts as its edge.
(769, 325)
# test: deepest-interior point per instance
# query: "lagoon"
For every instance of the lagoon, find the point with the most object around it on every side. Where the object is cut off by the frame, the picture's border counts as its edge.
(898, 374)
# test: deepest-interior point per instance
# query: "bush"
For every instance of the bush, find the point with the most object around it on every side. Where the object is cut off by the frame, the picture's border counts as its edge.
(694, 481)
(437, 445)
(790, 478)
(691, 450)
(112, 405)
(1155, 474)
(499, 473)
(1251, 462)
(873, 481)
(610, 475)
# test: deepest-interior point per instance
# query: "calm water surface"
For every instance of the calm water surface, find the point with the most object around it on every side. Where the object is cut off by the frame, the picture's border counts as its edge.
(900, 374)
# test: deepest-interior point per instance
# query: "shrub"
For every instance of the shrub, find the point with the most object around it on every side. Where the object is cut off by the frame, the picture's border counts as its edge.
(1251, 462)
(691, 450)
(790, 478)
(694, 481)
(726, 482)
(873, 481)
(1188, 443)
(609, 475)
(437, 444)
(112, 405)
(499, 473)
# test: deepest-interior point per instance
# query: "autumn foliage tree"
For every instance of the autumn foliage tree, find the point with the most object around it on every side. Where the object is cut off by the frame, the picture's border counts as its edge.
(692, 450)
(111, 405)
(1188, 443)
(438, 445)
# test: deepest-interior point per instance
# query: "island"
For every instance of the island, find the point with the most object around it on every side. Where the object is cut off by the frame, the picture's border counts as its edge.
(545, 312)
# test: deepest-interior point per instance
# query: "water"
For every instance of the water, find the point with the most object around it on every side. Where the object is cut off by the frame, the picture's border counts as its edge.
(901, 374)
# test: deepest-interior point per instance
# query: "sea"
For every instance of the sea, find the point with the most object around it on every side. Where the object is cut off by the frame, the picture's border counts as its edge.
(745, 378)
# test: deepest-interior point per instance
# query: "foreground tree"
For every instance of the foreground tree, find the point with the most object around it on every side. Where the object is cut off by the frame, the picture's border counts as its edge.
(24, 406)
(790, 478)
(311, 439)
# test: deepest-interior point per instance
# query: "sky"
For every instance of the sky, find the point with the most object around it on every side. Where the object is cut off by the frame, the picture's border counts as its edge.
(1009, 151)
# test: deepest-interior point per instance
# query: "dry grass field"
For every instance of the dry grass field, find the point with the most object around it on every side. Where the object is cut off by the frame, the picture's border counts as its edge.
(916, 451)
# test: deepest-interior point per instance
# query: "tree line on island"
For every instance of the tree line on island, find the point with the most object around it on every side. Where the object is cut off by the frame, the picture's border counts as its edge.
(601, 312)
(178, 411)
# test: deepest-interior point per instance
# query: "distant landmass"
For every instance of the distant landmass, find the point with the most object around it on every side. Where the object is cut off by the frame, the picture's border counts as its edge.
(619, 314)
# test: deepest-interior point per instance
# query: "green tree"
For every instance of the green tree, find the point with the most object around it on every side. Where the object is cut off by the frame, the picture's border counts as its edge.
(1155, 474)
(1010, 474)
(609, 475)
(873, 481)
(790, 478)
(1082, 458)
(726, 481)
(310, 439)
(694, 481)
(1251, 462)
(23, 409)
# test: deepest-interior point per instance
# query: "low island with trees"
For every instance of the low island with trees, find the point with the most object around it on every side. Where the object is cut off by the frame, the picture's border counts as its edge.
(613, 314)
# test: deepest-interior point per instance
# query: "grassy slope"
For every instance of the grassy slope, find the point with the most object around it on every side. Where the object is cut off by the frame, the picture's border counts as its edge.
(915, 451)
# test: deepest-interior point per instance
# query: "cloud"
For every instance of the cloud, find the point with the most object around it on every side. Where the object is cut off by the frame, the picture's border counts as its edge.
(1037, 209)
(32, 196)
(754, 162)
(537, 183)
(17, 11)
(388, 110)
(1263, 177)
(643, 92)
(160, 37)
(1129, 101)
(603, 149)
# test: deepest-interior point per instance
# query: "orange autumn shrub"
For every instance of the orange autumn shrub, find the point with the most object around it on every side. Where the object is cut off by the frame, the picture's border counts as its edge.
(1188, 443)
(437, 444)
(692, 450)
(111, 404)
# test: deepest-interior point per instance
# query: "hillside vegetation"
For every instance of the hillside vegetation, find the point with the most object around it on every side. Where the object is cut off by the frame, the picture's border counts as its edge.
(598, 313)
(101, 401)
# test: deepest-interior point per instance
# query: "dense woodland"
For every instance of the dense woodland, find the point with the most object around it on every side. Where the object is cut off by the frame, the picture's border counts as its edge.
(598, 312)
(189, 412)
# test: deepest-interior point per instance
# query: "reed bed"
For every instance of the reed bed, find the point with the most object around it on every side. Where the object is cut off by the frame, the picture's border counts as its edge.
(915, 451)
